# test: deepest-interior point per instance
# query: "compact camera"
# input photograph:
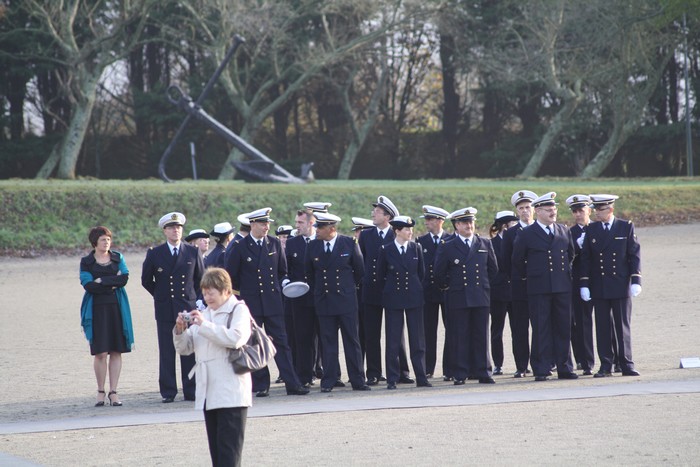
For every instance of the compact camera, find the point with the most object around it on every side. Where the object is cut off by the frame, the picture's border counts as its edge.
(186, 316)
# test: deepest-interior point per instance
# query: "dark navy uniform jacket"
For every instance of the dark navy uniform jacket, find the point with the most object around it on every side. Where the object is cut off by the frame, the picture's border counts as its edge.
(518, 285)
(500, 286)
(258, 272)
(216, 257)
(295, 252)
(174, 283)
(431, 291)
(401, 276)
(545, 262)
(610, 261)
(466, 273)
(370, 242)
(333, 279)
(576, 231)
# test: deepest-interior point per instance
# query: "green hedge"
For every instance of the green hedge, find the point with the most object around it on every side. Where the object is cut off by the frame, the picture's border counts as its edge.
(56, 215)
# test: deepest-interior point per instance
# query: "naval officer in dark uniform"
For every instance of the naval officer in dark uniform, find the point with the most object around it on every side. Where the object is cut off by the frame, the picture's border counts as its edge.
(258, 269)
(433, 296)
(401, 271)
(372, 310)
(582, 312)
(611, 275)
(465, 267)
(542, 254)
(520, 312)
(334, 268)
(223, 234)
(303, 310)
(171, 273)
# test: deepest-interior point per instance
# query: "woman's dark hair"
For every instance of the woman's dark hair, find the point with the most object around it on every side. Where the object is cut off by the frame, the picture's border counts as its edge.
(97, 232)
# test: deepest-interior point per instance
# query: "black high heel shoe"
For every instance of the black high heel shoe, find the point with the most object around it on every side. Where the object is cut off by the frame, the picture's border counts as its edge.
(100, 403)
(115, 404)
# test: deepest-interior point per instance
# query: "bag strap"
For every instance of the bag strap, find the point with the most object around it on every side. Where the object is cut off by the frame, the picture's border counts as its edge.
(230, 315)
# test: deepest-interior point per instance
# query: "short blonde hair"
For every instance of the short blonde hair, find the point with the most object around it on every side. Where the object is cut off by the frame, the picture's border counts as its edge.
(216, 278)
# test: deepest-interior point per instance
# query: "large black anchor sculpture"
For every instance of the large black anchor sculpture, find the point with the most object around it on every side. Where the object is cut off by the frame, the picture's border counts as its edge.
(259, 167)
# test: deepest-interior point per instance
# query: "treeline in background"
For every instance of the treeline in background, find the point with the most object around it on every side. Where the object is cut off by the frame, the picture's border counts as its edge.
(363, 88)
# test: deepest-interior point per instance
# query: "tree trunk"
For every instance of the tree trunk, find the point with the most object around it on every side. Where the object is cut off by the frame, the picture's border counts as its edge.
(555, 128)
(228, 171)
(607, 153)
(47, 168)
(450, 116)
(75, 135)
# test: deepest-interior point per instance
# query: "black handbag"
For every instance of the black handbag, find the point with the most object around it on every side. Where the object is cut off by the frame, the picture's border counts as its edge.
(253, 355)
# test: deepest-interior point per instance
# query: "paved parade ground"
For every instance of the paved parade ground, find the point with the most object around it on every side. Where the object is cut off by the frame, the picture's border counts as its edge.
(47, 391)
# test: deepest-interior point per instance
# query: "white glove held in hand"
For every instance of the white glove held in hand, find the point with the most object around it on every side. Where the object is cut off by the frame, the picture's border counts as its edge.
(585, 294)
(579, 240)
(635, 289)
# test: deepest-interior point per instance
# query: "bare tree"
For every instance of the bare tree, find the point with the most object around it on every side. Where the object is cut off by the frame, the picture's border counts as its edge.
(88, 37)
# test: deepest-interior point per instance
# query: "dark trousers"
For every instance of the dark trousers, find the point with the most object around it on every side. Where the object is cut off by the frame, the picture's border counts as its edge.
(469, 342)
(431, 318)
(615, 313)
(305, 337)
(520, 330)
(289, 329)
(329, 326)
(373, 337)
(416, 341)
(550, 315)
(499, 309)
(582, 332)
(167, 379)
(225, 433)
(275, 328)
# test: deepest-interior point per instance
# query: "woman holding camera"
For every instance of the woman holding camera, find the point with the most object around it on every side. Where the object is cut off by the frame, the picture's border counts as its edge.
(223, 395)
(105, 313)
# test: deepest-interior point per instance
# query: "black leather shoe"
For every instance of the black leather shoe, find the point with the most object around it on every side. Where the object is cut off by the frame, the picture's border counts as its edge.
(381, 378)
(630, 373)
(372, 381)
(588, 372)
(567, 376)
(326, 389)
(263, 393)
(487, 380)
(168, 400)
(472, 378)
(518, 374)
(300, 391)
(406, 380)
(339, 384)
(448, 378)
(459, 382)
(541, 378)
(364, 387)
(602, 374)
(391, 386)
(424, 384)
(618, 369)
(279, 380)
(498, 371)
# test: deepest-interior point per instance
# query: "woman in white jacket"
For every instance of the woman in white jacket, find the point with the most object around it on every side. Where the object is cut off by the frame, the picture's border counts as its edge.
(223, 395)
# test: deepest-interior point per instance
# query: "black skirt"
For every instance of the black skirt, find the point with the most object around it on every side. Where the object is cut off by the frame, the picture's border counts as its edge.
(107, 334)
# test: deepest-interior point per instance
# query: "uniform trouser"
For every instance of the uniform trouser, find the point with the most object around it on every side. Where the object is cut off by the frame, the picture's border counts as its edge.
(416, 341)
(520, 330)
(499, 309)
(469, 342)
(329, 326)
(550, 315)
(305, 337)
(275, 328)
(167, 379)
(582, 332)
(373, 336)
(289, 328)
(225, 433)
(616, 313)
(431, 318)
